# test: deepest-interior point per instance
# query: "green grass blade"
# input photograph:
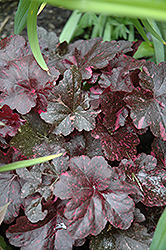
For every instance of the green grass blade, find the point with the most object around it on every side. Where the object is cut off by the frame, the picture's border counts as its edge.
(159, 238)
(136, 9)
(140, 29)
(32, 34)
(153, 32)
(20, 19)
(158, 44)
(27, 163)
(3, 210)
(70, 27)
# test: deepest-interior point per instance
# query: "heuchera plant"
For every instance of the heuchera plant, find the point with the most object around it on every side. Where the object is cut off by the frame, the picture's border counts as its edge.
(94, 107)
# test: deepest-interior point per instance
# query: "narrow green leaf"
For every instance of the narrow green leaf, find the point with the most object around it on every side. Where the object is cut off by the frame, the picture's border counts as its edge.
(140, 29)
(42, 6)
(136, 9)
(70, 27)
(159, 238)
(20, 19)
(144, 50)
(107, 32)
(158, 44)
(3, 210)
(32, 34)
(27, 163)
(2, 124)
(150, 28)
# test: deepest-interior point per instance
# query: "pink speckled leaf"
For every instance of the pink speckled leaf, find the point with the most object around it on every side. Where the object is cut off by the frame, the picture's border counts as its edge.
(12, 48)
(116, 145)
(11, 120)
(159, 151)
(89, 186)
(69, 106)
(148, 105)
(94, 54)
(25, 85)
(49, 234)
(10, 185)
(143, 173)
(113, 107)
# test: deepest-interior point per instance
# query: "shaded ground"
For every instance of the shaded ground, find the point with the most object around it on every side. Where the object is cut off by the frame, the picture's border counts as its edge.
(51, 18)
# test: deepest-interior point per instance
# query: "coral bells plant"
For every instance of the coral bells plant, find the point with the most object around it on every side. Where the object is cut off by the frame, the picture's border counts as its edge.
(94, 107)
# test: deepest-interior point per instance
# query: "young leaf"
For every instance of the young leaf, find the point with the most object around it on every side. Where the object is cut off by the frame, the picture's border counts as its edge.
(69, 107)
(148, 106)
(10, 120)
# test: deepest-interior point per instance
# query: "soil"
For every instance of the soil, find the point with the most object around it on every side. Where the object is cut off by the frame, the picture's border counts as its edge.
(51, 18)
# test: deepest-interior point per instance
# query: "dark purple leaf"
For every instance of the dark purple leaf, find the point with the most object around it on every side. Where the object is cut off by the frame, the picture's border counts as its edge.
(116, 145)
(143, 173)
(92, 201)
(12, 48)
(119, 74)
(113, 107)
(69, 107)
(159, 151)
(48, 41)
(76, 146)
(10, 186)
(25, 85)
(11, 120)
(49, 234)
(33, 208)
(95, 93)
(148, 106)
(135, 238)
(94, 54)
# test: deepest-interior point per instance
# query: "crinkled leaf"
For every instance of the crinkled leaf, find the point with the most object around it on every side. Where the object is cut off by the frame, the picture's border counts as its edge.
(39, 180)
(10, 186)
(95, 54)
(113, 107)
(76, 146)
(159, 151)
(147, 177)
(12, 48)
(116, 145)
(87, 186)
(11, 120)
(135, 238)
(93, 146)
(148, 107)
(33, 209)
(119, 74)
(25, 85)
(48, 41)
(50, 233)
(69, 107)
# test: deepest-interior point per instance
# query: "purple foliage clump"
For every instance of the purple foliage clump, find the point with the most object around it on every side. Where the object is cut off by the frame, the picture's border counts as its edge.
(93, 107)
